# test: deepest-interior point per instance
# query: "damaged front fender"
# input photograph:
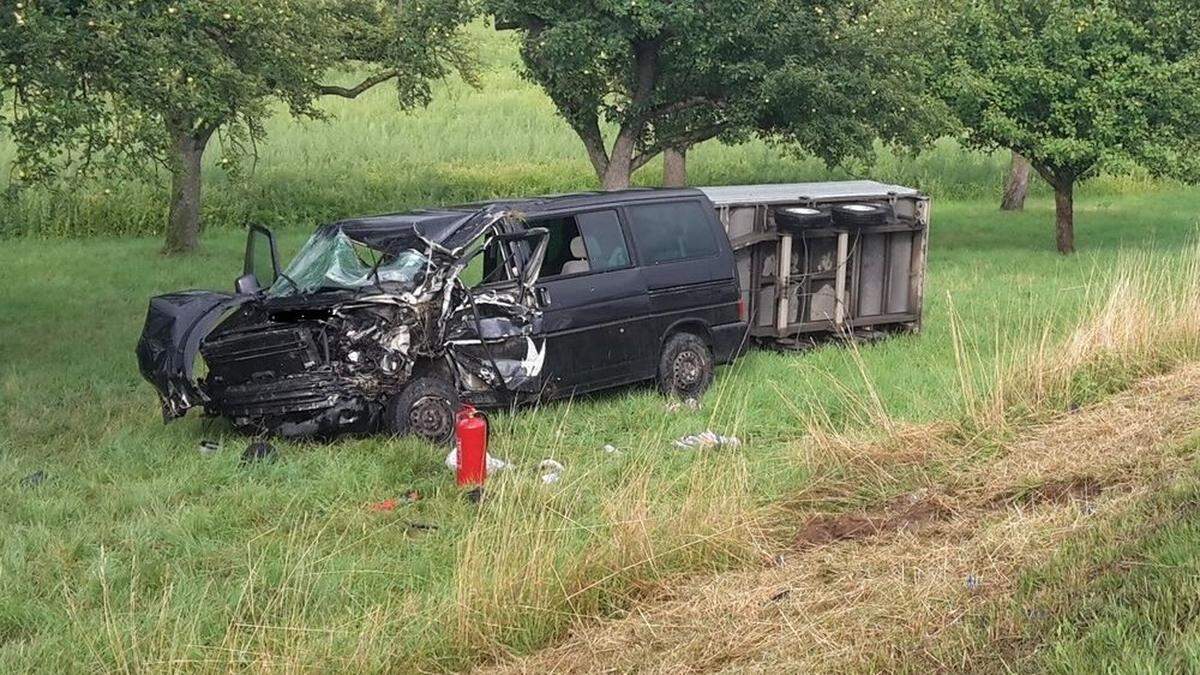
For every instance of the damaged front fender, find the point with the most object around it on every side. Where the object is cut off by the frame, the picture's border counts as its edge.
(175, 325)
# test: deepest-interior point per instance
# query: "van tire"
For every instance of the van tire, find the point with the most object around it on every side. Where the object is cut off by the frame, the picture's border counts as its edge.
(424, 408)
(685, 369)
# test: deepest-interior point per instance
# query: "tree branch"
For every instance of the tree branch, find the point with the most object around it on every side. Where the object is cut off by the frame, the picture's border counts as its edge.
(676, 107)
(593, 142)
(681, 141)
(355, 91)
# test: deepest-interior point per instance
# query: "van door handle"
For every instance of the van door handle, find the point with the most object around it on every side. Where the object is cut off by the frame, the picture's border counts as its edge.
(543, 296)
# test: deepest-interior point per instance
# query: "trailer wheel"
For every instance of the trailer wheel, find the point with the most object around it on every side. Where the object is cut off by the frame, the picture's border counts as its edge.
(424, 408)
(860, 215)
(799, 218)
(685, 369)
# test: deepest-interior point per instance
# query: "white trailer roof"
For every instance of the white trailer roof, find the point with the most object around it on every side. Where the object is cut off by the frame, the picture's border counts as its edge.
(791, 193)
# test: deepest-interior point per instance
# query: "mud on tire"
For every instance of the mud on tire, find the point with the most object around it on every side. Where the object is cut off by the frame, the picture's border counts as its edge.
(424, 408)
(685, 369)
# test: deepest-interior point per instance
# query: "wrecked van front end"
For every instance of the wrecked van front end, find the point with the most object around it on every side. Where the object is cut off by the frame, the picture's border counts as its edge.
(329, 344)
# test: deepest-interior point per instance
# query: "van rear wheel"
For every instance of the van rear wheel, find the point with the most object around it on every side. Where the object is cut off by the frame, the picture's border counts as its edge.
(685, 369)
(424, 408)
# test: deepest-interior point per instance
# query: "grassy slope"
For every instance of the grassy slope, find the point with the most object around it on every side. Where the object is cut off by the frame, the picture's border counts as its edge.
(137, 547)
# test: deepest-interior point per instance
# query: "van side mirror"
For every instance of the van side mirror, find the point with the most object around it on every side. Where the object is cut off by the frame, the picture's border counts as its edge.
(246, 285)
(262, 260)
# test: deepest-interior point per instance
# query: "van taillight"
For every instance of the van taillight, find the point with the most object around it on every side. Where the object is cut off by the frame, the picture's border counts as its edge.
(742, 316)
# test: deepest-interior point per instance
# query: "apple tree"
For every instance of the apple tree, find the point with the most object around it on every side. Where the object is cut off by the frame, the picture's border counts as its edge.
(125, 85)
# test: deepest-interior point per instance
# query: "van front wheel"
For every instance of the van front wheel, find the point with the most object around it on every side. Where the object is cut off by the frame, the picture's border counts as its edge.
(685, 369)
(424, 408)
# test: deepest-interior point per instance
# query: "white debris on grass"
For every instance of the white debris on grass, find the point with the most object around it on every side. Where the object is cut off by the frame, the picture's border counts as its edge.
(611, 449)
(552, 471)
(708, 441)
(494, 464)
(688, 404)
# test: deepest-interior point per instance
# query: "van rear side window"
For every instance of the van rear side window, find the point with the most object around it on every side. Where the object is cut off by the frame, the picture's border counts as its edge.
(672, 231)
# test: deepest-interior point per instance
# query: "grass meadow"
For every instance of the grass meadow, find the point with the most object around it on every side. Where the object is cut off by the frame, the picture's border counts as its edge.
(138, 552)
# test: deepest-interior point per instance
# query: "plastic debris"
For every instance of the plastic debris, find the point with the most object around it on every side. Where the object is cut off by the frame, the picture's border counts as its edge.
(611, 449)
(973, 583)
(494, 464)
(686, 404)
(708, 441)
(391, 504)
(209, 447)
(259, 451)
(553, 471)
(34, 479)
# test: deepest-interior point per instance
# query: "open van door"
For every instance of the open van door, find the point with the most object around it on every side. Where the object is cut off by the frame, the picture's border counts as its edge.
(493, 331)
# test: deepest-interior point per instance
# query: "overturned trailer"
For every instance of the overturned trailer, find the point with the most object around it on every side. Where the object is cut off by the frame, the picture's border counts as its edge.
(827, 258)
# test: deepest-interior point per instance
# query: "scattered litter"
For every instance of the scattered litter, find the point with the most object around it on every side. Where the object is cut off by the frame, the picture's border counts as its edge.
(708, 441)
(209, 447)
(474, 495)
(259, 451)
(687, 404)
(973, 583)
(611, 449)
(494, 464)
(553, 471)
(778, 560)
(391, 504)
(781, 595)
(384, 506)
(34, 479)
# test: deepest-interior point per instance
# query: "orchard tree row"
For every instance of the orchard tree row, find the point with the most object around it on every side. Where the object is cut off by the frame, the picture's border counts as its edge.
(1069, 86)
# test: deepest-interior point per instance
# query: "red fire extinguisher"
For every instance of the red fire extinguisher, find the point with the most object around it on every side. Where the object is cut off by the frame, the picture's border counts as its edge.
(471, 433)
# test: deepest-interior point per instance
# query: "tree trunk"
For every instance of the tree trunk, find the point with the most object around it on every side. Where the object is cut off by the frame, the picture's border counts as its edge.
(183, 219)
(1064, 203)
(618, 174)
(675, 167)
(1017, 185)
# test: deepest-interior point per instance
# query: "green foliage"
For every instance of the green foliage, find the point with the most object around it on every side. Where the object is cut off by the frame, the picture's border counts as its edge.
(108, 84)
(108, 80)
(815, 74)
(1079, 85)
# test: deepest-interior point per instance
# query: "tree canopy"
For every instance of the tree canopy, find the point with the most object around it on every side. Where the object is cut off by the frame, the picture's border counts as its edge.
(106, 85)
(820, 76)
(1079, 85)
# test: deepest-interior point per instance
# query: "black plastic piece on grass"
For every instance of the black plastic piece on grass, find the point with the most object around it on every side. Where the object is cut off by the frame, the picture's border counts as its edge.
(34, 479)
(259, 451)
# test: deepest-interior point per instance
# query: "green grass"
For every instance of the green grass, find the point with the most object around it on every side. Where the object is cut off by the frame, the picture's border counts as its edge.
(138, 552)
(135, 533)
(1124, 598)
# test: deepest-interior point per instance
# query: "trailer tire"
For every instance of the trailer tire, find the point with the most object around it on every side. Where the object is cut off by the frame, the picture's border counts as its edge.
(860, 215)
(685, 369)
(424, 408)
(798, 218)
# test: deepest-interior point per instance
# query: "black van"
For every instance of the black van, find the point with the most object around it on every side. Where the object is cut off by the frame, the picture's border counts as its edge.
(389, 322)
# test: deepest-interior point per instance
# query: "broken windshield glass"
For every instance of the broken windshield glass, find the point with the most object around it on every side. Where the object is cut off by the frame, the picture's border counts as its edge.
(334, 261)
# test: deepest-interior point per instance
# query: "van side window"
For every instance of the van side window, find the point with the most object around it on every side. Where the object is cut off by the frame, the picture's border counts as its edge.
(604, 241)
(486, 267)
(672, 231)
(559, 256)
(589, 242)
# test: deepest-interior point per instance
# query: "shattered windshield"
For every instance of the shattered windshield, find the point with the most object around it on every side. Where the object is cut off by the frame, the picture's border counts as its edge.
(334, 261)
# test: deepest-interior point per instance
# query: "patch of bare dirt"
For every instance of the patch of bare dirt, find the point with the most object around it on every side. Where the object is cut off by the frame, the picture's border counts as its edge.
(889, 588)
(907, 513)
